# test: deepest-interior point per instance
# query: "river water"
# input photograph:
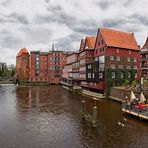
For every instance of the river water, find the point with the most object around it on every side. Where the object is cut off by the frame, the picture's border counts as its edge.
(50, 117)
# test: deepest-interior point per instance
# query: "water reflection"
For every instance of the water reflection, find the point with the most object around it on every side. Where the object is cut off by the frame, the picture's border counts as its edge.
(50, 117)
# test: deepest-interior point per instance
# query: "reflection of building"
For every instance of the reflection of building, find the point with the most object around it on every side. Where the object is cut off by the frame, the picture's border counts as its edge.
(22, 65)
(144, 60)
(40, 66)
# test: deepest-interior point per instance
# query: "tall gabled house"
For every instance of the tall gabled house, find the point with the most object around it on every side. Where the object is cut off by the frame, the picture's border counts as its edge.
(117, 57)
(86, 53)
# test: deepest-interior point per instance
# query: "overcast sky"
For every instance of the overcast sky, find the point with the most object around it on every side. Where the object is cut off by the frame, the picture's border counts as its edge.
(35, 24)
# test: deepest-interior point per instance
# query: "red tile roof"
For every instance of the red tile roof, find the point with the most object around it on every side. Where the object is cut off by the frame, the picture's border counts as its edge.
(146, 44)
(119, 39)
(91, 42)
(22, 51)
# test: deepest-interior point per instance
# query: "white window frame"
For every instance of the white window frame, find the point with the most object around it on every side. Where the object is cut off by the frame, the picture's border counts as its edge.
(122, 75)
(135, 60)
(129, 75)
(100, 75)
(113, 75)
(111, 58)
(118, 58)
(120, 66)
(93, 75)
(112, 66)
(128, 59)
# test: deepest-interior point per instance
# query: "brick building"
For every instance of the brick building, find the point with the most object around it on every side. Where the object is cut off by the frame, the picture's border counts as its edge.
(40, 66)
(117, 57)
(144, 60)
(69, 71)
(22, 65)
(86, 53)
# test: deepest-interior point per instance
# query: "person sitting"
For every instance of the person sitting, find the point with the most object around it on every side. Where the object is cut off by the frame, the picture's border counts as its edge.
(140, 106)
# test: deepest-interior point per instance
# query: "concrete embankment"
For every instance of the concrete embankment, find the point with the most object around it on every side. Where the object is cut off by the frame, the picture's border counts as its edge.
(120, 94)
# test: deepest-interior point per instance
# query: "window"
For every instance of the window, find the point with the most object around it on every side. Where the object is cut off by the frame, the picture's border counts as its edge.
(128, 67)
(93, 75)
(122, 74)
(129, 75)
(120, 66)
(96, 58)
(135, 59)
(101, 59)
(82, 68)
(100, 75)
(117, 50)
(113, 75)
(128, 59)
(101, 67)
(111, 58)
(112, 66)
(129, 51)
(89, 66)
(135, 67)
(89, 75)
(37, 63)
(118, 58)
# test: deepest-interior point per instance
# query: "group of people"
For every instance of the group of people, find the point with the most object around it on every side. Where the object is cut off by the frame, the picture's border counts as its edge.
(137, 104)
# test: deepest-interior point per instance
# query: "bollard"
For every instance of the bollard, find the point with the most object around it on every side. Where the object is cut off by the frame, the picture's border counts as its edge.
(94, 122)
(83, 108)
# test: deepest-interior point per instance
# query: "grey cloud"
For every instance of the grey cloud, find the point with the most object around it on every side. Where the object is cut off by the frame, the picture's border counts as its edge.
(6, 2)
(18, 18)
(36, 34)
(140, 19)
(10, 41)
(66, 43)
(14, 18)
(47, 1)
(103, 4)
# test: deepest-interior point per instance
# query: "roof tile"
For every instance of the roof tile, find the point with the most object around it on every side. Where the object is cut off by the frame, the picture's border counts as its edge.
(119, 39)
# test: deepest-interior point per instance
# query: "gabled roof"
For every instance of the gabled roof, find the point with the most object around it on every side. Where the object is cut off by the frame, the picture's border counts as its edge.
(22, 51)
(90, 42)
(119, 39)
(146, 44)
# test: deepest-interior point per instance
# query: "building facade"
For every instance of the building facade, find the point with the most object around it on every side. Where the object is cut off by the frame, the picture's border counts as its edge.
(144, 60)
(117, 57)
(22, 65)
(86, 55)
(69, 74)
(43, 67)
